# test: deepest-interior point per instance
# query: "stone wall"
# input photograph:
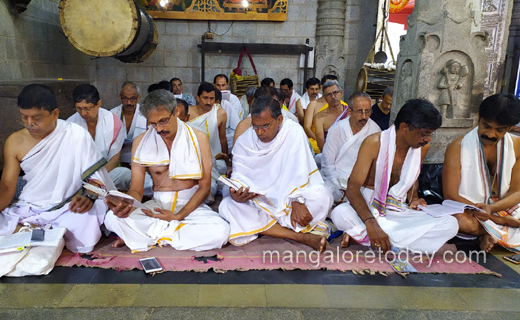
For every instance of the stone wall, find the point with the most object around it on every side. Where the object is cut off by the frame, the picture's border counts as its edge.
(32, 47)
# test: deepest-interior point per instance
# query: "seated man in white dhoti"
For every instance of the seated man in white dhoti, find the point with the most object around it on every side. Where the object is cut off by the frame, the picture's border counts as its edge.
(221, 82)
(291, 96)
(343, 141)
(312, 92)
(384, 177)
(56, 157)
(105, 127)
(233, 118)
(211, 119)
(482, 169)
(177, 88)
(134, 123)
(179, 159)
(299, 200)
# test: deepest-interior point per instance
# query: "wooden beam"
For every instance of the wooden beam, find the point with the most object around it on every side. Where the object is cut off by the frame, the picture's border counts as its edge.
(255, 48)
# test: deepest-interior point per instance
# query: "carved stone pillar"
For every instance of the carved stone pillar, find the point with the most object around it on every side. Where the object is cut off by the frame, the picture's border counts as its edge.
(495, 21)
(330, 32)
(513, 50)
(443, 59)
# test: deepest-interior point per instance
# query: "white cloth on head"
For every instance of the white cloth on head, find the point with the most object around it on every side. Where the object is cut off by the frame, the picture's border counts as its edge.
(137, 127)
(476, 183)
(292, 102)
(202, 229)
(265, 169)
(406, 228)
(54, 171)
(340, 154)
(110, 134)
(305, 100)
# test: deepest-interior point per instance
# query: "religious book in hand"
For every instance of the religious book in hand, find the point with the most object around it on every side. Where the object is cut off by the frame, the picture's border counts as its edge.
(114, 196)
(447, 208)
(236, 186)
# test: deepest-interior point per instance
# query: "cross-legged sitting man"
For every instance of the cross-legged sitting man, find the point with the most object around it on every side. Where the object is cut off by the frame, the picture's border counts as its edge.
(384, 177)
(482, 168)
(178, 158)
(343, 142)
(56, 157)
(299, 200)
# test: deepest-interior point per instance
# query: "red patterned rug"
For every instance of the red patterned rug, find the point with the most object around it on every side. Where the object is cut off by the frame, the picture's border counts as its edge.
(268, 253)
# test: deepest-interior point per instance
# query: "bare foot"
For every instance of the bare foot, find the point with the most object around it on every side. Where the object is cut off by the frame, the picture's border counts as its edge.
(346, 241)
(315, 241)
(487, 243)
(118, 243)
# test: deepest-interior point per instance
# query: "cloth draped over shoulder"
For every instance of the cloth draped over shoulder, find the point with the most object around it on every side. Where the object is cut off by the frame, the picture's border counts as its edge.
(305, 100)
(110, 134)
(393, 198)
(56, 166)
(208, 123)
(476, 182)
(184, 159)
(341, 150)
(137, 127)
(264, 166)
(292, 102)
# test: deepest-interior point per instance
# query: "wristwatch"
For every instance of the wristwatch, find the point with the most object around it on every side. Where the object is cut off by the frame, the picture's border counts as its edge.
(90, 196)
(299, 199)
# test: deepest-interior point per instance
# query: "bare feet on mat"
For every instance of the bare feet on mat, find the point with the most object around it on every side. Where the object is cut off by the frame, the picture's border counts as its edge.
(487, 242)
(346, 241)
(118, 243)
(315, 241)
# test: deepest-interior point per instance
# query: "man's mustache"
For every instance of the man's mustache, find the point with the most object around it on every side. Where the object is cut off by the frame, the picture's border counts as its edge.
(488, 138)
(163, 132)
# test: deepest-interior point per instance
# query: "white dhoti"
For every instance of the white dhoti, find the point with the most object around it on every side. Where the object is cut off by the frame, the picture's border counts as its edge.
(202, 229)
(249, 219)
(407, 229)
(83, 230)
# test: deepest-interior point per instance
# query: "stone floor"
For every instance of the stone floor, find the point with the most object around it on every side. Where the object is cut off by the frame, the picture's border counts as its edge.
(94, 293)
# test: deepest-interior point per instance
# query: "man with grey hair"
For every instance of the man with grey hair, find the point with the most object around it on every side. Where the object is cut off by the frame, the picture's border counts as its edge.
(336, 111)
(343, 143)
(275, 197)
(181, 181)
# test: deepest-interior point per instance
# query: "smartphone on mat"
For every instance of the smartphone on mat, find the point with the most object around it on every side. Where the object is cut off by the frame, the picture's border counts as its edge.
(150, 265)
(514, 258)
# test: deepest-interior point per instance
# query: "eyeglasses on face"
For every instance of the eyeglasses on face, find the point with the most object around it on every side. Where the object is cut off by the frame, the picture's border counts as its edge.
(264, 127)
(126, 99)
(361, 112)
(333, 93)
(162, 122)
(424, 135)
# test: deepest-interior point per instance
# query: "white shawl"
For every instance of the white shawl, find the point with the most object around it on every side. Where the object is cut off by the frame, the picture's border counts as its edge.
(475, 182)
(184, 158)
(267, 168)
(138, 126)
(56, 166)
(292, 102)
(305, 100)
(208, 123)
(393, 199)
(341, 150)
(110, 134)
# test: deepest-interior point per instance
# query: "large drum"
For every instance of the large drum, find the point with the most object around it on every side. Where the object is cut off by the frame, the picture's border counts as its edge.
(114, 28)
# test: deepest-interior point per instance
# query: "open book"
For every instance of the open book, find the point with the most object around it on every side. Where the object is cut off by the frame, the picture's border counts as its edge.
(447, 208)
(23, 239)
(114, 196)
(237, 186)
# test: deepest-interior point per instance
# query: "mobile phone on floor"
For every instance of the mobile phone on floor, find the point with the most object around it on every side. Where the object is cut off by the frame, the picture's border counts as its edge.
(150, 265)
(514, 258)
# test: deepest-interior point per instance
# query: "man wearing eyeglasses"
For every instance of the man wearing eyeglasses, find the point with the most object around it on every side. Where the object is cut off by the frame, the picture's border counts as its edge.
(383, 210)
(276, 197)
(56, 157)
(482, 169)
(343, 141)
(335, 112)
(179, 160)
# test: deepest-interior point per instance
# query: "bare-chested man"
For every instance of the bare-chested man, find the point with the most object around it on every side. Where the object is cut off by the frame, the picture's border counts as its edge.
(312, 92)
(482, 168)
(384, 177)
(182, 180)
(56, 157)
(291, 96)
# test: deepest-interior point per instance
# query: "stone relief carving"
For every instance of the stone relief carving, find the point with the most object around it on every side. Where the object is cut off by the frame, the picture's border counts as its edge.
(450, 83)
(488, 6)
(405, 90)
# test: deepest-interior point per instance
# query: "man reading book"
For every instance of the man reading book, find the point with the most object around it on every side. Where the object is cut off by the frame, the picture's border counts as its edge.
(178, 158)
(482, 168)
(56, 156)
(260, 164)
(384, 178)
